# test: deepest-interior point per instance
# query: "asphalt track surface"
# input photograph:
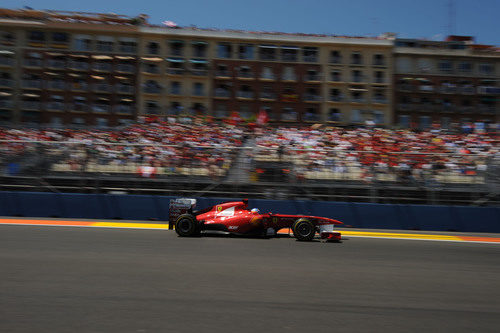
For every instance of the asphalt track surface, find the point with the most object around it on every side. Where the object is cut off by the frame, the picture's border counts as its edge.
(67, 279)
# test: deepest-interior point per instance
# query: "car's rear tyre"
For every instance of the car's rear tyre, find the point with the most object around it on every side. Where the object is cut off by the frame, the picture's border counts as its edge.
(303, 230)
(187, 226)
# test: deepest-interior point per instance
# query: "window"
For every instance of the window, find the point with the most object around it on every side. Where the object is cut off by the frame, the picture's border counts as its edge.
(105, 46)
(357, 76)
(378, 60)
(36, 36)
(245, 112)
(486, 68)
(224, 50)
(267, 52)
(82, 44)
(152, 107)
(424, 65)
(312, 114)
(379, 77)
(445, 66)
(128, 46)
(199, 49)
(356, 116)
(335, 57)
(310, 54)
(465, 67)
(153, 48)
(424, 122)
(288, 114)
(289, 74)
(175, 88)
(60, 37)
(378, 117)
(336, 76)
(102, 122)
(176, 48)
(404, 121)
(267, 73)
(334, 115)
(289, 53)
(403, 65)
(335, 95)
(312, 75)
(79, 121)
(356, 58)
(222, 70)
(246, 52)
(198, 89)
(221, 111)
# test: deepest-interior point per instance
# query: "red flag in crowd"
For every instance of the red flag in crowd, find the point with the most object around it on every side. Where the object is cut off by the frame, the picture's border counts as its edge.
(262, 118)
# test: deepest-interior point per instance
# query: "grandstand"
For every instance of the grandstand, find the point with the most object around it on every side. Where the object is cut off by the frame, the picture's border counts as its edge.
(208, 159)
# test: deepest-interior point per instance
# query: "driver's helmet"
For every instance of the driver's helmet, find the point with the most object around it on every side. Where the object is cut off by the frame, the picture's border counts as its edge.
(255, 211)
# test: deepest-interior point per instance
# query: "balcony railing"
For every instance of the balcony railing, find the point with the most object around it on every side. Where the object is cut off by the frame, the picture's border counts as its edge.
(336, 98)
(128, 48)
(78, 86)
(6, 104)
(125, 89)
(102, 87)
(405, 87)
(101, 108)
(222, 73)
(379, 100)
(313, 77)
(267, 95)
(175, 71)
(57, 64)
(102, 67)
(222, 93)
(356, 62)
(6, 83)
(152, 90)
(79, 107)
(448, 89)
(467, 109)
(31, 105)
(357, 79)
(426, 88)
(124, 109)
(246, 75)
(486, 109)
(57, 85)
(79, 65)
(268, 77)
(245, 94)
(312, 98)
(267, 57)
(310, 58)
(199, 72)
(33, 84)
(289, 77)
(379, 80)
(33, 62)
(5, 61)
(335, 60)
(125, 68)
(175, 91)
(56, 106)
(378, 63)
(467, 90)
(289, 57)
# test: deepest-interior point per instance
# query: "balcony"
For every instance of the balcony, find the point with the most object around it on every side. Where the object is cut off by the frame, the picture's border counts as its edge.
(467, 90)
(124, 89)
(31, 105)
(125, 68)
(487, 109)
(128, 48)
(336, 99)
(450, 89)
(6, 104)
(33, 62)
(78, 86)
(289, 77)
(310, 58)
(466, 109)
(269, 77)
(152, 90)
(79, 107)
(101, 108)
(153, 110)
(426, 88)
(124, 109)
(5, 61)
(380, 80)
(32, 84)
(358, 100)
(175, 71)
(56, 106)
(335, 60)
(102, 67)
(312, 98)
(221, 73)
(313, 77)
(199, 72)
(175, 91)
(245, 75)
(79, 65)
(405, 107)
(356, 62)
(6, 83)
(102, 88)
(378, 63)
(405, 87)
(57, 64)
(425, 107)
(221, 93)
(268, 95)
(289, 57)
(57, 85)
(488, 90)
(379, 100)
(267, 57)
(245, 94)
(151, 70)
(357, 79)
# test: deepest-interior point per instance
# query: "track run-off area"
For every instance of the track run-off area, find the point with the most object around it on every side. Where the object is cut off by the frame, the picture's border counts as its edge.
(108, 276)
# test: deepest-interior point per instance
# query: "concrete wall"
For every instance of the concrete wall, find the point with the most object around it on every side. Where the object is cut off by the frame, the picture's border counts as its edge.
(148, 207)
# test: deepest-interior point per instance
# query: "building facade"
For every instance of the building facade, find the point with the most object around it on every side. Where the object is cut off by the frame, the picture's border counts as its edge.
(446, 82)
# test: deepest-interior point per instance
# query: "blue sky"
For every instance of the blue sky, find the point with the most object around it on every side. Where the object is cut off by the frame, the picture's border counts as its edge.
(409, 18)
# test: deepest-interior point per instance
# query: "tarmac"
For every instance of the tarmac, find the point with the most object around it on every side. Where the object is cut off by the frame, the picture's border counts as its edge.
(114, 279)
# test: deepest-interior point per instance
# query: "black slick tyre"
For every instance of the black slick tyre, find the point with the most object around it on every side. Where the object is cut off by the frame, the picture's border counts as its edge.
(303, 230)
(187, 226)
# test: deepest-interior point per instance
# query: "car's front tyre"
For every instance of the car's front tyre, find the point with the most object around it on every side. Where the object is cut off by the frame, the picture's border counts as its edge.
(303, 230)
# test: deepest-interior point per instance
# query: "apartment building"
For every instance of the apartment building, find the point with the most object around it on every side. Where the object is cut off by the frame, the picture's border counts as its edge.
(108, 69)
(452, 81)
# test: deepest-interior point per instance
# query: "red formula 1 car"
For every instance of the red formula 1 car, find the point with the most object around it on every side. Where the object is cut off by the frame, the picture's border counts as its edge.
(235, 217)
